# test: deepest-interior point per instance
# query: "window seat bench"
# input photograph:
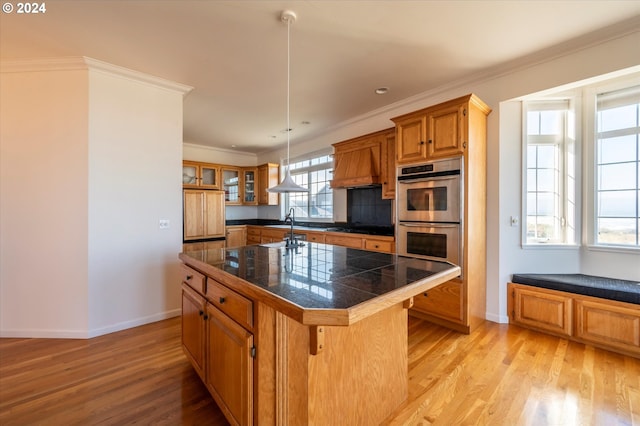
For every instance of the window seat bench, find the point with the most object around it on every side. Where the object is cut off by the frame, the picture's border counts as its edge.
(599, 311)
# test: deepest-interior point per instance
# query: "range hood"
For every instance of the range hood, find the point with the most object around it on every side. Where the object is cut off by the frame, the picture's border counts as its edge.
(356, 168)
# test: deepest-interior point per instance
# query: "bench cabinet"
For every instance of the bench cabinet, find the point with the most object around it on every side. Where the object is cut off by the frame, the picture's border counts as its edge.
(604, 323)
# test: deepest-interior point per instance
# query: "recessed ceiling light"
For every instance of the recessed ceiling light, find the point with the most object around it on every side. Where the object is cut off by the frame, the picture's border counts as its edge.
(233, 146)
(382, 90)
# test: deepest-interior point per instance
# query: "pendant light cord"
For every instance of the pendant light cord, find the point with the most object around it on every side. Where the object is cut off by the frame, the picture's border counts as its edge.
(288, 90)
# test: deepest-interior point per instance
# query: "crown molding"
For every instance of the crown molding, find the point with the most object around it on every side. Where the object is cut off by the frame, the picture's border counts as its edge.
(90, 64)
(216, 149)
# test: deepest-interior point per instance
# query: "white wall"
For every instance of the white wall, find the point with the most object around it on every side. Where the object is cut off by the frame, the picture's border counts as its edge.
(505, 255)
(135, 168)
(43, 203)
(91, 160)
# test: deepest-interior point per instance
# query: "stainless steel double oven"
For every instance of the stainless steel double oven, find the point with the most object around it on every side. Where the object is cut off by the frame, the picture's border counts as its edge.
(429, 210)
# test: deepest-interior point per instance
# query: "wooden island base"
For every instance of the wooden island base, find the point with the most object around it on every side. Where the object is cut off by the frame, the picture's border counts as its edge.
(357, 377)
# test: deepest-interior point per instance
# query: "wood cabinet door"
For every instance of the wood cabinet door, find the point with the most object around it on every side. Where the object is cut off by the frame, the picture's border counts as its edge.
(215, 214)
(445, 131)
(193, 214)
(444, 301)
(410, 139)
(193, 328)
(229, 371)
(268, 177)
(389, 167)
(236, 236)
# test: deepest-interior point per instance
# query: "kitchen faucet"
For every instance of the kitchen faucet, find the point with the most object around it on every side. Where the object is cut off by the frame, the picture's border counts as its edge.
(290, 218)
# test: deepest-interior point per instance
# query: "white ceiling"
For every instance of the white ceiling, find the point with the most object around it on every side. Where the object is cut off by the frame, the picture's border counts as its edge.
(234, 52)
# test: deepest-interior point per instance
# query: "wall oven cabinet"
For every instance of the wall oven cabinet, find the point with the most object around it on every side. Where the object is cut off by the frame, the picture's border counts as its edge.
(441, 215)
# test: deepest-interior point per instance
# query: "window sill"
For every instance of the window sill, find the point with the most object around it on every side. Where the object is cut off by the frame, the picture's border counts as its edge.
(542, 246)
(614, 249)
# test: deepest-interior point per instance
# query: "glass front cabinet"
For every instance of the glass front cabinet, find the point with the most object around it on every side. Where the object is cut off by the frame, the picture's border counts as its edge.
(231, 184)
(197, 175)
(249, 181)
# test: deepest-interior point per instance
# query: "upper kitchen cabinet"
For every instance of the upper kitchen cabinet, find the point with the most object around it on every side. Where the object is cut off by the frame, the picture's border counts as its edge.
(440, 131)
(268, 177)
(203, 214)
(200, 175)
(359, 161)
(231, 184)
(249, 186)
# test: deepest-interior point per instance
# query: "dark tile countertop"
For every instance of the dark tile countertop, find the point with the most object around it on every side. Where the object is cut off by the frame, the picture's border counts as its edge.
(321, 276)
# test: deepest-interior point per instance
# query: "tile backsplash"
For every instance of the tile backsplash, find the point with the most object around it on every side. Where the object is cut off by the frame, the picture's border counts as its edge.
(365, 206)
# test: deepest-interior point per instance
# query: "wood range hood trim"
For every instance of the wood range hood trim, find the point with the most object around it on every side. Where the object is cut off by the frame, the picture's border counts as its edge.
(357, 168)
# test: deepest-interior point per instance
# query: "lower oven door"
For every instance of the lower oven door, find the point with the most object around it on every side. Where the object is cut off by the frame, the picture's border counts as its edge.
(434, 241)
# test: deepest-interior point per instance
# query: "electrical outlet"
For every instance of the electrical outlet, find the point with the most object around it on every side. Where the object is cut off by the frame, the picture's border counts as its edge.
(515, 220)
(164, 224)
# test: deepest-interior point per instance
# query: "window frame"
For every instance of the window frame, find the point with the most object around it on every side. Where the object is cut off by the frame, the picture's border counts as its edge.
(591, 165)
(321, 166)
(569, 229)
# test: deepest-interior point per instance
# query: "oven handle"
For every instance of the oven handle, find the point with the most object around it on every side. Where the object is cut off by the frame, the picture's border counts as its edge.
(430, 179)
(429, 225)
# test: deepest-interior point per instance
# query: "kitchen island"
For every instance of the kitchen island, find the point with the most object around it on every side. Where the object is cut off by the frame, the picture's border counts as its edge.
(309, 335)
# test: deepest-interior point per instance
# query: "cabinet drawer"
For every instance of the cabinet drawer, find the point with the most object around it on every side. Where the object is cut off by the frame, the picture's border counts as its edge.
(253, 232)
(444, 301)
(253, 239)
(344, 241)
(231, 303)
(384, 246)
(316, 238)
(193, 278)
(273, 235)
(608, 324)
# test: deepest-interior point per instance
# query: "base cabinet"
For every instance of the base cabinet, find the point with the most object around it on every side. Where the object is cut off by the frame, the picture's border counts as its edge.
(607, 324)
(218, 347)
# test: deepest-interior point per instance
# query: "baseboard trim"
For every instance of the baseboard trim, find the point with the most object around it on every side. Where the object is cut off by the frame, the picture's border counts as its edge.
(500, 319)
(87, 334)
(134, 323)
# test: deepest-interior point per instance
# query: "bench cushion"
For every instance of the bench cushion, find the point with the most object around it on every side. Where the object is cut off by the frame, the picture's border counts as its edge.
(587, 285)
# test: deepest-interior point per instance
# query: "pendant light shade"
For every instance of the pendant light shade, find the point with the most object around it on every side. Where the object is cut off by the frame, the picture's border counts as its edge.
(287, 184)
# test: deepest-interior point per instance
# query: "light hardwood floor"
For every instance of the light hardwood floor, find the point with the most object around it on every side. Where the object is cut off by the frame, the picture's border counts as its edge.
(498, 375)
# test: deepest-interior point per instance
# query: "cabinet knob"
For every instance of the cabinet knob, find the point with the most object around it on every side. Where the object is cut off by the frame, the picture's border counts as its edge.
(206, 317)
(221, 300)
(189, 277)
(421, 142)
(430, 141)
(201, 313)
(464, 145)
(425, 294)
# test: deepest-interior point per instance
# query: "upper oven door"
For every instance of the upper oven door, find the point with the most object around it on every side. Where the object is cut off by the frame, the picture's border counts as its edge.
(435, 199)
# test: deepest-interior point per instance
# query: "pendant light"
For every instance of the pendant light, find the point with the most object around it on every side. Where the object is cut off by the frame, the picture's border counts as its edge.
(287, 184)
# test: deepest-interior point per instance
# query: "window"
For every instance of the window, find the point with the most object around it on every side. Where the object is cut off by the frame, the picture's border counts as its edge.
(617, 163)
(550, 173)
(315, 174)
